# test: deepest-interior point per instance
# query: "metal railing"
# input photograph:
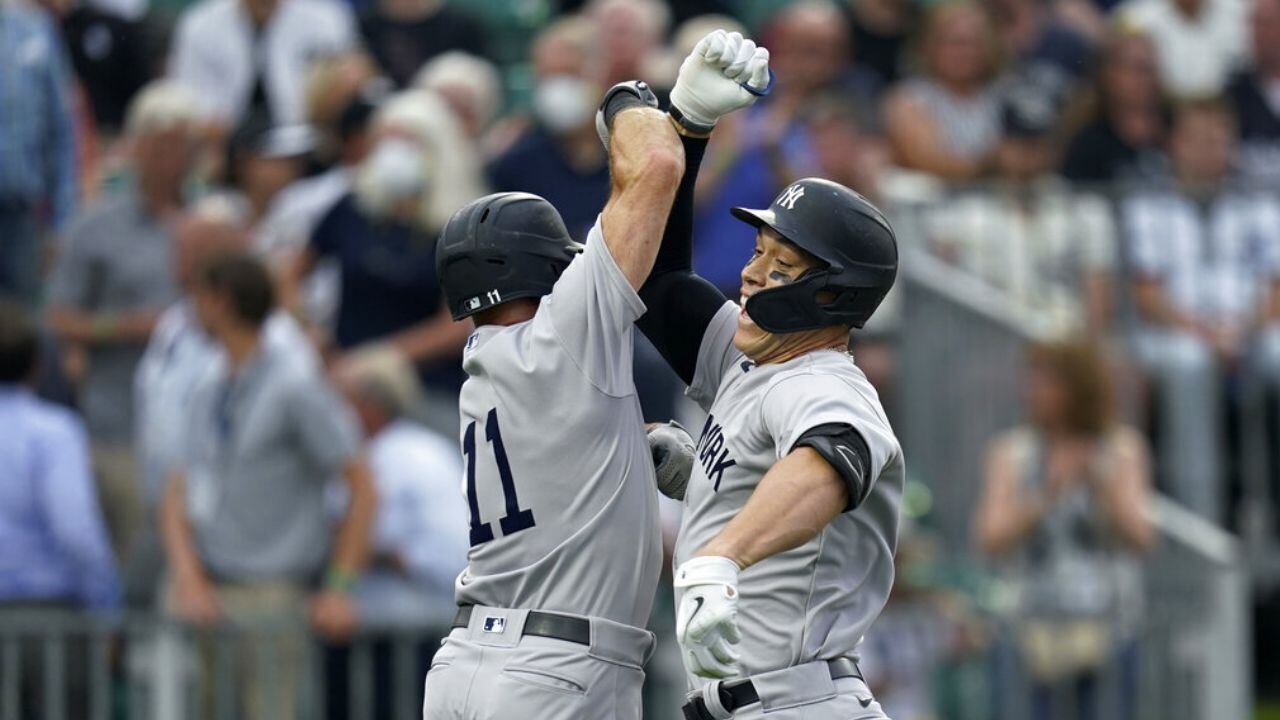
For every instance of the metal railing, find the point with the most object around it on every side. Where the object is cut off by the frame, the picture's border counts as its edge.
(64, 665)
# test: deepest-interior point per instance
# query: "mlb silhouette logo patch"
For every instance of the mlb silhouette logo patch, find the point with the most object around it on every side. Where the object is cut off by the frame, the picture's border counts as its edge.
(789, 196)
(495, 624)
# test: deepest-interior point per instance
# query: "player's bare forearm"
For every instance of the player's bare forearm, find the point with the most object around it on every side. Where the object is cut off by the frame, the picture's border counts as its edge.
(646, 162)
(352, 548)
(793, 503)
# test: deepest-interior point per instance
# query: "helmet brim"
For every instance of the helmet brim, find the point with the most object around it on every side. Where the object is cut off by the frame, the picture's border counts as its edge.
(756, 218)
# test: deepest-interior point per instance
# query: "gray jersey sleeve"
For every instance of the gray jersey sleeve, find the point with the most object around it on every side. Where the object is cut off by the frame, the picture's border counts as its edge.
(716, 355)
(592, 310)
(798, 403)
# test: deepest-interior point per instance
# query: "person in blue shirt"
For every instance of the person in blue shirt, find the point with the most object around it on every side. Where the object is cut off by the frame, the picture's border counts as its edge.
(53, 545)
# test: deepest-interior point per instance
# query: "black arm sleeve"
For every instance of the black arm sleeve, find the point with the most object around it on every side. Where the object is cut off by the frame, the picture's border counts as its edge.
(846, 451)
(680, 304)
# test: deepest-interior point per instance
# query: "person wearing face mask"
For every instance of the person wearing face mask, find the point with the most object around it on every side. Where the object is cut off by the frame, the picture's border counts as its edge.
(559, 157)
(382, 236)
(785, 552)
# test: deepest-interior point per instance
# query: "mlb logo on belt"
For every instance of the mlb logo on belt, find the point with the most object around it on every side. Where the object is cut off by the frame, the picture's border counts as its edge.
(495, 624)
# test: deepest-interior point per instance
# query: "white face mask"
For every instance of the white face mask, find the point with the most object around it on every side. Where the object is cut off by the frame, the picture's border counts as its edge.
(564, 102)
(392, 173)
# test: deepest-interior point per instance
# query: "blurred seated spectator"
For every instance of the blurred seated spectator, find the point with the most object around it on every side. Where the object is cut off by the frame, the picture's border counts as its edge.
(54, 553)
(1050, 248)
(333, 84)
(1034, 34)
(471, 85)
(243, 519)
(420, 535)
(180, 352)
(1125, 126)
(38, 162)
(402, 35)
(634, 31)
(1065, 512)
(1199, 43)
(1206, 264)
(560, 157)
(264, 159)
(946, 121)
(244, 58)
(113, 278)
(421, 168)
(1256, 96)
(879, 34)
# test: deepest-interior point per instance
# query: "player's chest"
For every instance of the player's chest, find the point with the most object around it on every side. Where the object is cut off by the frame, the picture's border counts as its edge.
(733, 450)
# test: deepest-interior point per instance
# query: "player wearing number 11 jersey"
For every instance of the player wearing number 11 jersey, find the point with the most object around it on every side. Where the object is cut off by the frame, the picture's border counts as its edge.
(565, 545)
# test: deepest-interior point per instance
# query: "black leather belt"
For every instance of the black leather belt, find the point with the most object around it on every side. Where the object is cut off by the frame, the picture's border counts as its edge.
(738, 694)
(539, 624)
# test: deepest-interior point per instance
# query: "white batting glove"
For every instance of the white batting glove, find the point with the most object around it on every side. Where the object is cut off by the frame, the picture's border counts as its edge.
(707, 621)
(715, 78)
(672, 447)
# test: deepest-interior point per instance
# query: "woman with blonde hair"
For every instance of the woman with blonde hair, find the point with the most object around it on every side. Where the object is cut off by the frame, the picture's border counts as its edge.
(946, 121)
(1064, 510)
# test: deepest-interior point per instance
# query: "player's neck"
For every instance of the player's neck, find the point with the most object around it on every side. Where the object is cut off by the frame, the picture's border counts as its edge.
(512, 312)
(789, 346)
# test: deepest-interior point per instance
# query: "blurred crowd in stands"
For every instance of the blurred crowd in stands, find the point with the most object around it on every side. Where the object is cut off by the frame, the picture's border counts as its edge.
(223, 335)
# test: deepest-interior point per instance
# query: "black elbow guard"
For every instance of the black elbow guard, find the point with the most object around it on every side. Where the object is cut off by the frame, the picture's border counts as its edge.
(843, 447)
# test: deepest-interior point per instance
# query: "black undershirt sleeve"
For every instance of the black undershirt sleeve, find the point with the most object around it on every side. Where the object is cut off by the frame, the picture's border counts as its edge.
(680, 304)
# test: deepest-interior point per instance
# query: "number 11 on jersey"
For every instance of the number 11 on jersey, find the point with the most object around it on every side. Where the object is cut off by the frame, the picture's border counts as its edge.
(516, 519)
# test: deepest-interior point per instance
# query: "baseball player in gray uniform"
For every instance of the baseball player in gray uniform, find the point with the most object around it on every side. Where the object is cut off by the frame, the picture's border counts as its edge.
(564, 528)
(785, 553)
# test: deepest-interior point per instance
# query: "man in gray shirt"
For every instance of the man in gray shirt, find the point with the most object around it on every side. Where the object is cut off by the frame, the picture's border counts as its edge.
(244, 522)
(112, 280)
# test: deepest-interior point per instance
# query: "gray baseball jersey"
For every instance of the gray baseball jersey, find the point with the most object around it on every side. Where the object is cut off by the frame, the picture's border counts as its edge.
(813, 602)
(559, 478)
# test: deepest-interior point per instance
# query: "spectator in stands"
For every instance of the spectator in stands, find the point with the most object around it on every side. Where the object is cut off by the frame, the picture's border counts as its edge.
(53, 547)
(243, 521)
(1065, 510)
(112, 280)
(263, 160)
(1050, 248)
(420, 170)
(1206, 264)
(38, 181)
(560, 157)
(1199, 43)
(333, 84)
(470, 85)
(54, 553)
(879, 32)
(244, 58)
(402, 35)
(1036, 34)
(419, 537)
(179, 352)
(946, 121)
(1123, 136)
(111, 56)
(635, 30)
(1256, 96)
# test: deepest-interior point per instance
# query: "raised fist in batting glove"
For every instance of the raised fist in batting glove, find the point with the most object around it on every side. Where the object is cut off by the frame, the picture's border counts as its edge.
(672, 449)
(707, 620)
(724, 72)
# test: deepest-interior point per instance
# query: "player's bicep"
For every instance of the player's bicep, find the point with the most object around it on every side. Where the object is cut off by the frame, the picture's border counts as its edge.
(846, 452)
